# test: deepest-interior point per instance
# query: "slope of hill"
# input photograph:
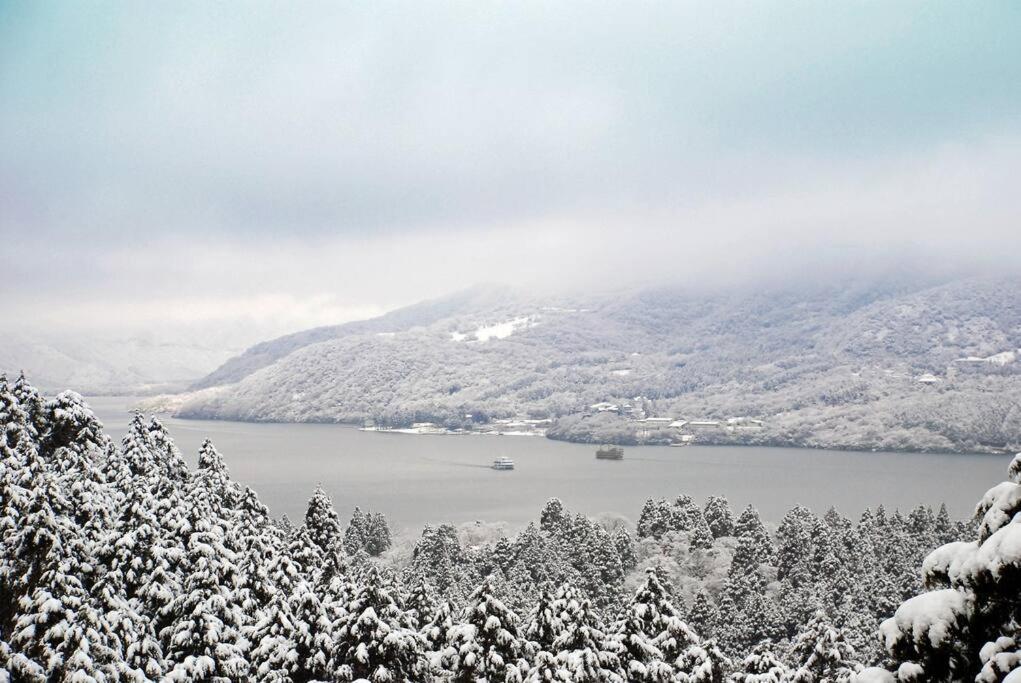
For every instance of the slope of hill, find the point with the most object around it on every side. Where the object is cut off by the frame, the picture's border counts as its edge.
(858, 367)
(94, 365)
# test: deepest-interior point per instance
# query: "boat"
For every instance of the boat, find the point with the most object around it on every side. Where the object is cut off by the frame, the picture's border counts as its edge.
(503, 464)
(610, 453)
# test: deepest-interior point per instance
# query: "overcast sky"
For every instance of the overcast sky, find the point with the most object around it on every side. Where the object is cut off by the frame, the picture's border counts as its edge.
(279, 165)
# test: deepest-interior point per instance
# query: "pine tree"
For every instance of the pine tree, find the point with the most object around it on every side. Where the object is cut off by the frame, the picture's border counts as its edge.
(625, 549)
(205, 621)
(355, 537)
(761, 666)
(274, 651)
(795, 546)
(965, 627)
(544, 624)
(719, 517)
(701, 538)
(312, 634)
(655, 519)
(584, 651)
(323, 522)
(437, 632)
(554, 520)
(637, 629)
(683, 514)
(821, 653)
(377, 534)
(703, 616)
(372, 643)
(420, 605)
(486, 645)
(749, 526)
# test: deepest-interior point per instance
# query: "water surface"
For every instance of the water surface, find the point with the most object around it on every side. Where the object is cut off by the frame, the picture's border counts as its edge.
(416, 479)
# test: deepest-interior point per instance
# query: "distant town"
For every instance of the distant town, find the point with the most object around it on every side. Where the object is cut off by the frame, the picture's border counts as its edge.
(676, 431)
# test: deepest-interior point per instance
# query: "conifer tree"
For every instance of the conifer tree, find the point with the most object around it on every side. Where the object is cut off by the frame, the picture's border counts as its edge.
(639, 626)
(420, 605)
(372, 643)
(701, 538)
(761, 666)
(554, 520)
(355, 536)
(719, 516)
(544, 624)
(749, 525)
(312, 634)
(821, 653)
(584, 651)
(273, 654)
(655, 519)
(203, 638)
(486, 645)
(703, 616)
(966, 626)
(323, 522)
(625, 549)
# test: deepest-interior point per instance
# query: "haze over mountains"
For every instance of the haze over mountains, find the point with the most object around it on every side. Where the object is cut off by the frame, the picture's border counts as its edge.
(893, 365)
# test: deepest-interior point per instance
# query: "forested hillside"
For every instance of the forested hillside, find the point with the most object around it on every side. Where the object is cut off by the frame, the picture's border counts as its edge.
(885, 366)
(119, 562)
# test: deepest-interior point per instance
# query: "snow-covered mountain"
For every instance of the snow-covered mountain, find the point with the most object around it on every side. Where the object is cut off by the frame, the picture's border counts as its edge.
(876, 365)
(94, 364)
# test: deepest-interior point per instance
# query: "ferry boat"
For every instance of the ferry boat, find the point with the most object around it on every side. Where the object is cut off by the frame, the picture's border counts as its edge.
(610, 453)
(503, 464)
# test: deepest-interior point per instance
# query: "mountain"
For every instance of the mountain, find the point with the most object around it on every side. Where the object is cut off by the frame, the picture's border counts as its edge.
(894, 365)
(107, 365)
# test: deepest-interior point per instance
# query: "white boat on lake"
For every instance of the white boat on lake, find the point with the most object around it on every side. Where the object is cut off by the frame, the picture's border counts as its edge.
(503, 464)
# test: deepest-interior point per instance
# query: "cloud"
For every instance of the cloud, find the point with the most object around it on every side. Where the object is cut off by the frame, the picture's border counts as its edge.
(255, 162)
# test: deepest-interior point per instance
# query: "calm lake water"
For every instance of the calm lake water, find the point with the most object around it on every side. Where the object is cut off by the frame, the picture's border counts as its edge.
(415, 479)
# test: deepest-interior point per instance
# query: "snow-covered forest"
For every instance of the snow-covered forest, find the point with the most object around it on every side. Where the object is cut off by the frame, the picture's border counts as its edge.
(120, 563)
(882, 365)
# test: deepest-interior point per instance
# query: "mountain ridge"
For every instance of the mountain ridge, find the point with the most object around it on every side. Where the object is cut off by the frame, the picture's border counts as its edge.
(834, 366)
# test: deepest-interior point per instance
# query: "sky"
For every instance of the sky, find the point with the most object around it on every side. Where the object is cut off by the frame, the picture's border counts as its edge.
(260, 167)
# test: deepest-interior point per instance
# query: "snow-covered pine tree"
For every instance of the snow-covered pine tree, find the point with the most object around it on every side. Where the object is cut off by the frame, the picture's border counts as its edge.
(749, 525)
(655, 519)
(821, 654)
(700, 537)
(32, 402)
(543, 625)
(323, 522)
(312, 634)
(486, 644)
(377, 534)
(703, 615)
(356, 532)
(372, 643)
(420, 604)
(683, 513)
(212, 480)
(171, 466)
(795, 546)
(554, 519)
(204, 636)
(436, 632)
(761, 666)
(625, 548)
(584, 651)
(719, 516)
(966, 627)
(637, 628)
(273, 655)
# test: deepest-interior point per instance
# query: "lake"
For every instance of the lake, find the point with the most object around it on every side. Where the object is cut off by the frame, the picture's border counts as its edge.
(416, 479)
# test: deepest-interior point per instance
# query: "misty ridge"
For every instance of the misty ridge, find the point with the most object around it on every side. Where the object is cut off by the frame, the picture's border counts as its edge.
(895, 364)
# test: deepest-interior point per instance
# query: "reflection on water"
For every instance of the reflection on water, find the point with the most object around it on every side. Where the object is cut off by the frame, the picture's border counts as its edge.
(418, 479)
